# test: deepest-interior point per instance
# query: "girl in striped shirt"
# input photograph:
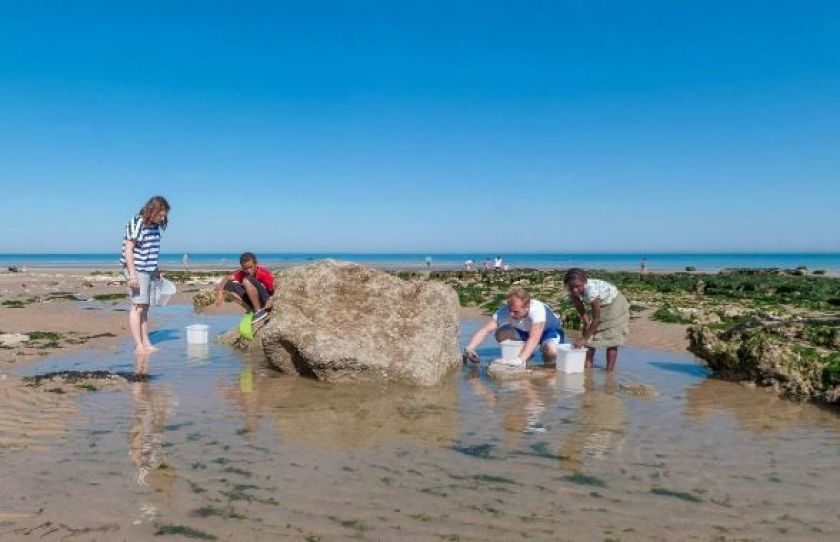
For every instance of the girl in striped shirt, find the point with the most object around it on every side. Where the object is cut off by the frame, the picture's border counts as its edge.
(141, 248)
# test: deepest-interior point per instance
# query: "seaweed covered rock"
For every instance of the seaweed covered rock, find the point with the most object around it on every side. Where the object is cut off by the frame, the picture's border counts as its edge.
(764, 353)
(339, 321)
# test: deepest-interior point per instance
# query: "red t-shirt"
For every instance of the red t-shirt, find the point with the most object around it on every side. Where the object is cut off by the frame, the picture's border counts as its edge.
(262, 274)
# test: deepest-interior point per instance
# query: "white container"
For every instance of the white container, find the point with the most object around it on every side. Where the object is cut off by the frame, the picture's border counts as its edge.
(198, 334)
(511, 349)
(570, 360)
(164, 292)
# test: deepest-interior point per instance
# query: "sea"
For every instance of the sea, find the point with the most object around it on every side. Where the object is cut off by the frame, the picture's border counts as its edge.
(671, 261)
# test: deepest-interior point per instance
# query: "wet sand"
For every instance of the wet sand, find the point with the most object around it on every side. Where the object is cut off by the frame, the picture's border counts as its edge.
(218, 445)
(62, 306)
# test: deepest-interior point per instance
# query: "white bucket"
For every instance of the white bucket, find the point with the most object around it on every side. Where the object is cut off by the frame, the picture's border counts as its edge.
(511, 349)
(164, 292)
(198, 334)
(570, 360)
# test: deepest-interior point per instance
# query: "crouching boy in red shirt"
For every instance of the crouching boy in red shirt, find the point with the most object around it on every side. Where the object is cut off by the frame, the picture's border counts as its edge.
(252, 286)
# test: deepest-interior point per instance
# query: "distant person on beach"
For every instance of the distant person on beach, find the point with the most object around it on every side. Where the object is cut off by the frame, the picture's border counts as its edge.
(468, 265)
(643, 266)
(141, 248)
(186, 261)
(486, 265)
(521, 319)
(497, 264)
(605, 314)
(251, 286)
(428, 262)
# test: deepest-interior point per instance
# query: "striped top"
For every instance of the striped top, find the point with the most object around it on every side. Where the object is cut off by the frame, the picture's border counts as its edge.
(146, 244)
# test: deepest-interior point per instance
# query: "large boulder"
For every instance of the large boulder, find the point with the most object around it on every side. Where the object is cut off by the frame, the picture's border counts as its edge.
(339, 321)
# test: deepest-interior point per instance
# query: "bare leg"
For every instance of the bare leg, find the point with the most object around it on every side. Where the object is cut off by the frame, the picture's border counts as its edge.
(135, 316)
(238, 301)
(549, 353)
(144, 327)
(612, 356)
(590, 358)
(253, 294)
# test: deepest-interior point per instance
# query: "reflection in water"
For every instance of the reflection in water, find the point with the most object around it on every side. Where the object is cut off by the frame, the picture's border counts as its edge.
(531, 406)
(145, 443)
(598, 425)
(755, 410)
(358, 416)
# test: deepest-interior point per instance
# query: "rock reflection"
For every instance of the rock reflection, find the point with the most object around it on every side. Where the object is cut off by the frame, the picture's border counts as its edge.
(754, 410)
(346, 416)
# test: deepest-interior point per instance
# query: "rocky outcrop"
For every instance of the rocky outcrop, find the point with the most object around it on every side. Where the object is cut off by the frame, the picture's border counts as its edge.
(771, 353)
(338, 321)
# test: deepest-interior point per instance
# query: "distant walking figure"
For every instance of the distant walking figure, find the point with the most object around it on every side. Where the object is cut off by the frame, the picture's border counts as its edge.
(497, 263)
(186, 261)
(428, 262)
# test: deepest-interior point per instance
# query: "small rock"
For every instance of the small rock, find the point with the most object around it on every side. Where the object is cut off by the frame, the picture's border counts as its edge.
(503, 371)
(638, 389)
(13, 339)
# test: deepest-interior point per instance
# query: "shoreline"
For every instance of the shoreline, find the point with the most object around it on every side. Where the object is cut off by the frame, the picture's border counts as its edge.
(417, 268)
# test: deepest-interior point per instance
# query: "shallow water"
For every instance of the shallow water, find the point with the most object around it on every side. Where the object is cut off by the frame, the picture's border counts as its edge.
(216, 444)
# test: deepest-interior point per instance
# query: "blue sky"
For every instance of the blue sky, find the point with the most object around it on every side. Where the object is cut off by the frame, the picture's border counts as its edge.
(422, 126)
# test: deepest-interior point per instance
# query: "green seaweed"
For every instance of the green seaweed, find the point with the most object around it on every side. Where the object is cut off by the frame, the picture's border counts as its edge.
(51, 336)
(482, 451)
(689, 497)
(183, 530)
(87, 387)
(240, 472)
(494, 479)
(584, 480)
(212, 511)
(355, 524)
(667, 315)
(110, 297)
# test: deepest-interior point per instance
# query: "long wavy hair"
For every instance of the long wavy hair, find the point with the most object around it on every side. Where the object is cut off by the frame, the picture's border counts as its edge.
(152, 207)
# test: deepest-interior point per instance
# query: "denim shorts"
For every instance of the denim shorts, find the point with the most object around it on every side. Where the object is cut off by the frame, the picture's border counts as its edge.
(144, 294)
(555, 336)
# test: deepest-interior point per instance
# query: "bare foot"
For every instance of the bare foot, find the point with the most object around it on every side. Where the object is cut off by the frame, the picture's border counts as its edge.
(140, 350)
(150, 348)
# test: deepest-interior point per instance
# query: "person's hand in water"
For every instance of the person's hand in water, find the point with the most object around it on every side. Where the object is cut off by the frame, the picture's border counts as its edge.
(471, 357)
